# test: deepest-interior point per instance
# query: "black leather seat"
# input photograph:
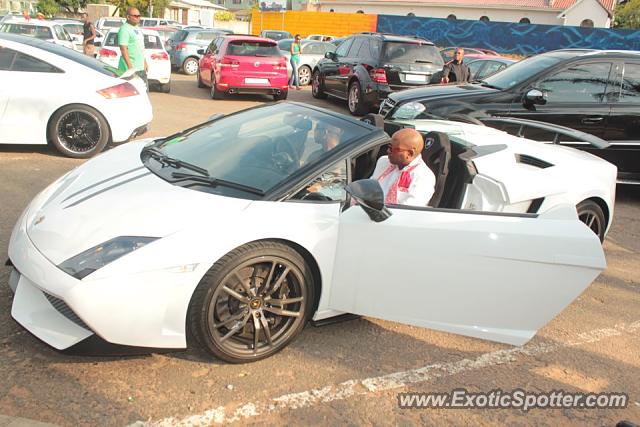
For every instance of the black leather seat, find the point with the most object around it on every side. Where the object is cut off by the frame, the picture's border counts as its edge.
(437, 155)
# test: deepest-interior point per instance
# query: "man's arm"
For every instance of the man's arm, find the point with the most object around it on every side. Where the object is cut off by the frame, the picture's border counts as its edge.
(445, 72)
(421, 188)
(124, 50)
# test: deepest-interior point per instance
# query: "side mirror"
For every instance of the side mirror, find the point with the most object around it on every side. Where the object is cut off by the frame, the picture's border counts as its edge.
(535, 96)
(200, 51)
(215, 116)
(331, 55)
(368, 194)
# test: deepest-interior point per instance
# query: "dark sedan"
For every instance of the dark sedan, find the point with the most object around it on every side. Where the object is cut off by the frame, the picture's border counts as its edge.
(597, 92)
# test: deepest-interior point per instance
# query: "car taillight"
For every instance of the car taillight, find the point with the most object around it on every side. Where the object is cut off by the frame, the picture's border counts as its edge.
(280, 66)
(378, 75)
(107, 52)
(160, 56)
(226, 62)
(122, 90)
(181, 46)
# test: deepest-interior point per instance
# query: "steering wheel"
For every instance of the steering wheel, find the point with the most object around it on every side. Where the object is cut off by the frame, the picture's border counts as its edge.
(286, 158)
(312, 195)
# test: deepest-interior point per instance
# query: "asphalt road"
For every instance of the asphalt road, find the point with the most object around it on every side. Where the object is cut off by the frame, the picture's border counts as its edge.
(342, 374)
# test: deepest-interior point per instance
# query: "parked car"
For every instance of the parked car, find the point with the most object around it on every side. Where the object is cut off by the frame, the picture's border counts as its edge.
(109, 23)
(76, 31)
(312, 52)
(85, 105)
(596, 92)
(248, 255)
(50, 31)
(320, 37)
(447, 52)
(184, 46)
(165, 33)
(275, 34)
(159, 66)
(145, 21)
(337, 42)
(367, 67)
(483, 66)
(243, 64)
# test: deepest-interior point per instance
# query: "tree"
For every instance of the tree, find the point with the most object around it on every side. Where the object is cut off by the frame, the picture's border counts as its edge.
(628, 15)
(48, 7)
(71, 6)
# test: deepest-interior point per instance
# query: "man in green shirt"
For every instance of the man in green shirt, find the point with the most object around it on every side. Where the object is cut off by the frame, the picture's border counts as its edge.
(131, 42)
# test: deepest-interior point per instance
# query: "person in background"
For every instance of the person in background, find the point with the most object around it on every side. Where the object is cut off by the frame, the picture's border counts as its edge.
(25, 15)
(131, 42)
(403, 175)
(295, 49)
(40, 16)
(456, 71)
(89, 34)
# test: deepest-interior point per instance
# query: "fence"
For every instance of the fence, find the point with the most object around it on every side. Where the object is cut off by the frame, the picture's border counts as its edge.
(305, 23)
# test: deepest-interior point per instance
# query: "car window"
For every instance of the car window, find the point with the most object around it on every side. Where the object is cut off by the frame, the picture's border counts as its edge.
(474, 67)
(112, 39)
(524, 70)
(111, 23)
(492, 67)
(206, 35)
(151, 41)
(74, 29)
(252, 48)
(285, 44)
(326, 186)
(579, 83)
(630, 91)
(375, 46)
(36, 31)
(6, 58)
(269, 144)
(313, 49)
(411, 53)
(355, 47)
(344, 47)
(60, 32)
(180, 35)
(30, 64)
(365, 49)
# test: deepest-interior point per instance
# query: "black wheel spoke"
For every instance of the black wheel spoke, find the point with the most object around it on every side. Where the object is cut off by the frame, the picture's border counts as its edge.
(281, 312)
(231, 319)
(244, 285)
(265, 284)
(284, 301)
(236, 328)
(266, 329)
(278, 283)
(235, 294)
(256, 333)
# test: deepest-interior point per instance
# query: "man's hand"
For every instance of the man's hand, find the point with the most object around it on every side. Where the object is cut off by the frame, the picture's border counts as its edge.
(314, 188)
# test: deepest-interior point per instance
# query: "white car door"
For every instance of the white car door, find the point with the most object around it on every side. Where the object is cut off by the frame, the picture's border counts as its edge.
(493, 276)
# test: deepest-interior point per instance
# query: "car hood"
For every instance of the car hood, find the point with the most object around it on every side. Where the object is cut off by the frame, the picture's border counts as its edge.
(440, 91)
(115, 195)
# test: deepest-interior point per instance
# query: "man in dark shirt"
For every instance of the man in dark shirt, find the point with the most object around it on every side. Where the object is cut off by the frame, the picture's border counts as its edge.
(89, 33)
(455, 70)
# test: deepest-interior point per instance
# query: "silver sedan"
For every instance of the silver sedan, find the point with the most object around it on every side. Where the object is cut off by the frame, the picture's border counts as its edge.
(312, 52)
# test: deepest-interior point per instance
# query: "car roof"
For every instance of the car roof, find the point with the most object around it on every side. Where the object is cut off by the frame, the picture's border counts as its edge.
(489, 58)
(394, 37)
(162, 27)
(145, 30)
(233, 37)
(34, 22)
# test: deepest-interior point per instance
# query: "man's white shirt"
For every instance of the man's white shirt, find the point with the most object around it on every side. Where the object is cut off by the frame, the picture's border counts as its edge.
(414, 188)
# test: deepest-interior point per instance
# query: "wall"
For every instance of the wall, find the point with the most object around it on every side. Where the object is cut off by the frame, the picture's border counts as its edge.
(549, 17)
(305, 23)
(587, 9)
(238, 27)
(523, 39)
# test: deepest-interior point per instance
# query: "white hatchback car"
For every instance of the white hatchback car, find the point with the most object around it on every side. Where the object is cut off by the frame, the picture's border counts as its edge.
(76, 31)
(44, 30)
(159, 72)
(53, 94)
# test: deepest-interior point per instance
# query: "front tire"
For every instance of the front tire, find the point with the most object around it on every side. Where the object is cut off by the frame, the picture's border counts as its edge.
(78, 131)
(304, 75)
(200, 84)
(356, 104)
(252, 303)
(190, 66)
(317, 86)
(590, 213)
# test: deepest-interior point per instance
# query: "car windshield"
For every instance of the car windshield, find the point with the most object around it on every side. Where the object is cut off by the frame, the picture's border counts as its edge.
(277, 35)
(411, 52)
(525, 69)
(111, 23)
(260, 147)
(252, 48)
(73, 28)
(36, 31)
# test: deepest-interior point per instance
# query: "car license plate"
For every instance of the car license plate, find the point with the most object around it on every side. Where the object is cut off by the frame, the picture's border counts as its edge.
(415, 78)
(251, 81)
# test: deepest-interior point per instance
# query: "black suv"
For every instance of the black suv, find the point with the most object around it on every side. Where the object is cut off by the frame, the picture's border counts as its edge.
(597, 92)
(366, 67)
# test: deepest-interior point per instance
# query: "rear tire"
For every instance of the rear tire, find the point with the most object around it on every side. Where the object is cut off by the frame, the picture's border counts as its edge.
(165, 87)
(283, 95)
(200, 84)
(355, 102)
(590, 213)
(252, 303)
(317, 86)
(304, 75)
(190, 66)
(78, 131)
(215, 93)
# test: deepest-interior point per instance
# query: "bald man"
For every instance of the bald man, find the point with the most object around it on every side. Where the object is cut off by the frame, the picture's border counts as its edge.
(402, 174)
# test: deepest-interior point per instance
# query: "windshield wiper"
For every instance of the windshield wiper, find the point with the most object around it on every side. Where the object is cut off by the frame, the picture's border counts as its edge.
(423, 61)
(485, 84)
(214, 182)
(165, 160)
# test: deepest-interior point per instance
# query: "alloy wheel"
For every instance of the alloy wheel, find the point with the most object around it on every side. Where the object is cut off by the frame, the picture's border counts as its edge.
(304, 75)
(79, 131)
(354, 97)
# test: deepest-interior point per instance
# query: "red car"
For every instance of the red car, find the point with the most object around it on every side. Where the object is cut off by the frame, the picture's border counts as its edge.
(243, 64)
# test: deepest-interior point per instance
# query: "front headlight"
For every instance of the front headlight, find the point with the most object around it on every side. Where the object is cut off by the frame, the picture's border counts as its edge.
(87, 262)
(409, 111)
